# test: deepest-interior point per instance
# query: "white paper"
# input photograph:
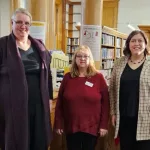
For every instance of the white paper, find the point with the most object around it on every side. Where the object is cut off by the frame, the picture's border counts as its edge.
(38, 30)
(91, 36)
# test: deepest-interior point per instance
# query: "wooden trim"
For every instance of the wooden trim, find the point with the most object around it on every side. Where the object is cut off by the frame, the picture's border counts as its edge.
(73, 3)
(68, 2)
(113, 32)
(64, 26)
(111, 0)
(144, 27)
(70, 24)
(75, 14)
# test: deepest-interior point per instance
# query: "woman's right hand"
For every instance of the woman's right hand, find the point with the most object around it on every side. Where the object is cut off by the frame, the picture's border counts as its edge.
(59, 131)
(113, 120)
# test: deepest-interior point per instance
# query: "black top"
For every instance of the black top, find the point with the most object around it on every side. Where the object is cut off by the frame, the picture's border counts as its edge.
(31, 60)
(32, 64)
(129, 91)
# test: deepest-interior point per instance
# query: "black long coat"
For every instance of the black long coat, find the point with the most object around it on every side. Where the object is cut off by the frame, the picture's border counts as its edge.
(14, 94)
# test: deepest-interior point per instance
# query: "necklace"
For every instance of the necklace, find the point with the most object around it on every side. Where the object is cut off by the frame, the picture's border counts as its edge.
(138, 61)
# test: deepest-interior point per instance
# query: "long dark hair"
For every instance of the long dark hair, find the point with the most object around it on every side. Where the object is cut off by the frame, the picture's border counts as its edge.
(127, 51)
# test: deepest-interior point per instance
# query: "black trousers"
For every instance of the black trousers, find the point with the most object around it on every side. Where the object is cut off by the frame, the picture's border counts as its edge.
(81, 141)
(127, 134)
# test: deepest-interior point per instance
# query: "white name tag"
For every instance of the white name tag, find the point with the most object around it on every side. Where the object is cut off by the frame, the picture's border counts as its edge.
(89, 84)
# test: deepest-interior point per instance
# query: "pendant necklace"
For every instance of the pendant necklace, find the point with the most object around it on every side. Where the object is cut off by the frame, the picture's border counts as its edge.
(138, 61)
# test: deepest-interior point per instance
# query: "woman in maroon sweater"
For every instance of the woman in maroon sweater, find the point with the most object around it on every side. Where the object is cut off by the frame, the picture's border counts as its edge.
(82, 109)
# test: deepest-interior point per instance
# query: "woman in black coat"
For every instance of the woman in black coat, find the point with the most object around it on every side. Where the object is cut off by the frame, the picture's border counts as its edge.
(25, 88)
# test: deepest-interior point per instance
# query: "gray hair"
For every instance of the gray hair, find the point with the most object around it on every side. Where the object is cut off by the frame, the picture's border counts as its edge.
(23, 11)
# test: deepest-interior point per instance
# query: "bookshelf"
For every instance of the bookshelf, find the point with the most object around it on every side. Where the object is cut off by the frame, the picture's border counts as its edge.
(73, 16)
(72, 44)
(112, 45)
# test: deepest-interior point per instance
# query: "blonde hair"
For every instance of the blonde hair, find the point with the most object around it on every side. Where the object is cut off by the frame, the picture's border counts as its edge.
(91, 70)
(23, 11)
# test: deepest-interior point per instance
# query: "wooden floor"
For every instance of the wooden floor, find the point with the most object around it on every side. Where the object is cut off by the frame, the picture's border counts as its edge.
(59, 143)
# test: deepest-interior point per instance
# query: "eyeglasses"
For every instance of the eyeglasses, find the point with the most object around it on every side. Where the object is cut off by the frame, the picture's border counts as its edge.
(80, 56)
(20, 23)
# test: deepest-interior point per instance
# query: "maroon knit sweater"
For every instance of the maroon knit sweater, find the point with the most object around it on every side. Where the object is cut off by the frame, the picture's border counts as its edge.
(80, 107)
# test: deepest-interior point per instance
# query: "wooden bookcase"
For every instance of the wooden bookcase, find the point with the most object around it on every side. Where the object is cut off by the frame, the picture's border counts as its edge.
(112, 44)
(72, 44)
(73, 15)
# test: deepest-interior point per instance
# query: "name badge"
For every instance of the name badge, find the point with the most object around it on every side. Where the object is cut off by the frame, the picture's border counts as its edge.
(89, 84)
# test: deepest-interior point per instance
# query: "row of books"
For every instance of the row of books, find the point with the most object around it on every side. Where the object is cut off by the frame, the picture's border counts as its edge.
(123, 44)
(118, 53)
(108, 39)
(70, 56)
(107, 53)
(118, 42)
(73, 41)
(71, 49)
(107, 64)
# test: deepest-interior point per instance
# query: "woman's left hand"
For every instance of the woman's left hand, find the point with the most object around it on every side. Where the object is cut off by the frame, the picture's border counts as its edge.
(103, 132)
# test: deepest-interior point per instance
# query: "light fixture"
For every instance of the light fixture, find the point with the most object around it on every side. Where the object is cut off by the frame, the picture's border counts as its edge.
(130, 26)
(78, 24)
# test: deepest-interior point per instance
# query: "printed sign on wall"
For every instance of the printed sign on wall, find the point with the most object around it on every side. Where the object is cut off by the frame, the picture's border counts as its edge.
(91, 36)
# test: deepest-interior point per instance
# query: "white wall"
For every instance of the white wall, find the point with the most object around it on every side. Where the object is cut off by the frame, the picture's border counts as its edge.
(76, 18)
(135, 12)
(4, 17)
